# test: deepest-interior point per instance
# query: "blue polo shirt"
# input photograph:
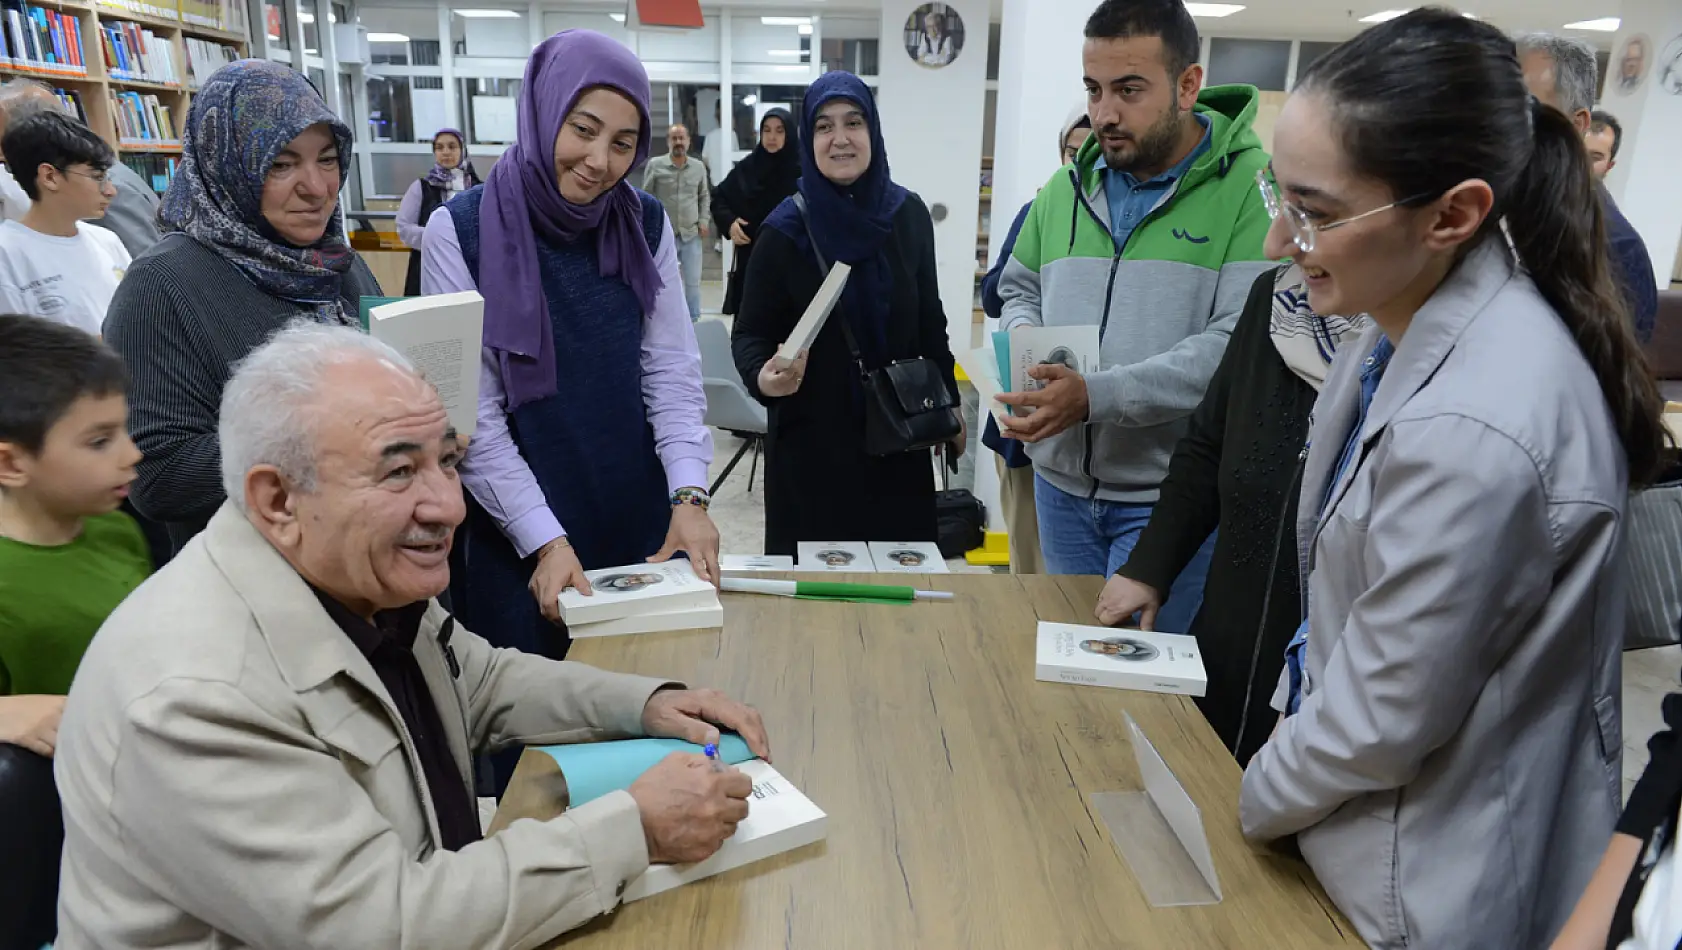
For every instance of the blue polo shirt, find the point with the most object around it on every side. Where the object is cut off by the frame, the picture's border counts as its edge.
(1131, 199)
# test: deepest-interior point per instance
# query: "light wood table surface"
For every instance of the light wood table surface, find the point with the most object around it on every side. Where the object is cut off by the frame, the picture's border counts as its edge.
(955, 785)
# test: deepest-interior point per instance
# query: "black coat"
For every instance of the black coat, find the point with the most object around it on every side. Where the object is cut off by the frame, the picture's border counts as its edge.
(751, 191)
(1238, 468)
(819, 483)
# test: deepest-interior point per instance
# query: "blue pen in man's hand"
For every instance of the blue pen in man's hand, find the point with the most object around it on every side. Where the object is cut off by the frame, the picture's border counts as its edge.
(711, 751)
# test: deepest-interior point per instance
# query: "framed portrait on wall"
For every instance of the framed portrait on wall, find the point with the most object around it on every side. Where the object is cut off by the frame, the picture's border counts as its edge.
(934, 35)
(1632, 62)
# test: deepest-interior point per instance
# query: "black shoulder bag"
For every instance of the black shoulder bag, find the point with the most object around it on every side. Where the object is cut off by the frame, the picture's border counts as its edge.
(907, 407)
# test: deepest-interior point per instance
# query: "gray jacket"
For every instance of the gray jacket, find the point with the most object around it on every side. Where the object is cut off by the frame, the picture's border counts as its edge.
(133, 213)
(1452, 775)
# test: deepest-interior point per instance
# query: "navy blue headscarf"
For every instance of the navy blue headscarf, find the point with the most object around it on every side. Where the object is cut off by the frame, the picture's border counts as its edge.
(851, 224)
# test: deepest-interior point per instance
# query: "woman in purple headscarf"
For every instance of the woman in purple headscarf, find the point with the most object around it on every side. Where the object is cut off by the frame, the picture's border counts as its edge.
(452, 173)
(590, 450)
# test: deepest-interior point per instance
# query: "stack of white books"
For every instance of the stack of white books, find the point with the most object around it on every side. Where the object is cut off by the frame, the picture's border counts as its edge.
(780, 818)
(1120, 659)
(643, 598)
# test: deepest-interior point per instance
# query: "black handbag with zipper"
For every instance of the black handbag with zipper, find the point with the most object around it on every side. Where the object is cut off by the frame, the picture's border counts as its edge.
(907, 407)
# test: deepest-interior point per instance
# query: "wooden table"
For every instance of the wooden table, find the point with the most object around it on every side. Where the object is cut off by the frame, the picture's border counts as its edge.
(955, 784)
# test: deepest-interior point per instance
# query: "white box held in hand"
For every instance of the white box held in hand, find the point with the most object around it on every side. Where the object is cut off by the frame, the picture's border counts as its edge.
(845, 556)
(779, 819)
(1120, 659)
(621, 592)
(816, 315)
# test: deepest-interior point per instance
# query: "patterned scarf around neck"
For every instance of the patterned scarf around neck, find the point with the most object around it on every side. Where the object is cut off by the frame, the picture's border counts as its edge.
(1305, 340)
(240, 120)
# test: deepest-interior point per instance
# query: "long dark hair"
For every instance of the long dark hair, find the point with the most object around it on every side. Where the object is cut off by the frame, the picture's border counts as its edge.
(1432, 99)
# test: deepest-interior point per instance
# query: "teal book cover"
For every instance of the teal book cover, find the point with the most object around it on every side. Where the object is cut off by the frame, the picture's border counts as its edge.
(367, 304)
(594, 769)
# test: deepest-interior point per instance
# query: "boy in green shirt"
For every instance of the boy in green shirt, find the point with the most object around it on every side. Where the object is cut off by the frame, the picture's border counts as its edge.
(67, 556)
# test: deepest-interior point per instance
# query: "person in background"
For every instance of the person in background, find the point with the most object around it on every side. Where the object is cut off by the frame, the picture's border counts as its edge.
(267, 743)
(1561, 72)
(67, 558)
(683, 189)
(452, 173)
(820, 484)
(1605, 137)
(51, 264)
(1155, 237)
(934, 46)
(752, 190)
(590, 450)
(1634, 901)
(1448, 756)
(1016, 469)
(1237, 469)
(132, 213)
(255, 239)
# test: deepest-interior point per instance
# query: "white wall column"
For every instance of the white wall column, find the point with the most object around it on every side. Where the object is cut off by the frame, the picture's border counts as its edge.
(1644, 181)
(1039, 83)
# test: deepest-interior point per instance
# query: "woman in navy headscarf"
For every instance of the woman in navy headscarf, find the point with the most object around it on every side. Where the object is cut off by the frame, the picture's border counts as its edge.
(590, 450)
(820, 485)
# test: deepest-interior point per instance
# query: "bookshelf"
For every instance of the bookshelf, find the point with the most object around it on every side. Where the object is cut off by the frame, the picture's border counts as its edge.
(128, 68)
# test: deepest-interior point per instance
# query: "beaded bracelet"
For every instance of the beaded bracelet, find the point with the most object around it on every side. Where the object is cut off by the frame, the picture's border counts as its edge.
(692, 496)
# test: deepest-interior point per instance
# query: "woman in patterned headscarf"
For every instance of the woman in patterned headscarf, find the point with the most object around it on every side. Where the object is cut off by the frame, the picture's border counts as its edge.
(254, 239)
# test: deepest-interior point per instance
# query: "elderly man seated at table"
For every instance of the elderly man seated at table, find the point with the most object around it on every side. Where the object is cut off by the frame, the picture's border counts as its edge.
(269, 743)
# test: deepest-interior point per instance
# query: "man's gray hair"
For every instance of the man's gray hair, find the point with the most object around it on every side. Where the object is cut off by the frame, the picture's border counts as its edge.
(1576, 74)
(21, 98)
(274, 403)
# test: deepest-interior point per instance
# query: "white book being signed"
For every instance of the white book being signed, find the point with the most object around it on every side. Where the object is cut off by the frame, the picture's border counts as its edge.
(662, 621)
(620, 592)
(908, 557)
(1120, 659)
(780, 818)
(816, 315)
(442, 335)
(844, 556)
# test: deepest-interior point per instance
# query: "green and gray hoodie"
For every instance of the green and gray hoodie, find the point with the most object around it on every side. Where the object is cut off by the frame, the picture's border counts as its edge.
(1165, 303)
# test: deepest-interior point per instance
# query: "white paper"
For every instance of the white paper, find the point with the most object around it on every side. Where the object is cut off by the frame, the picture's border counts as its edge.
(817, 313)
(1119, 659)
(1177, 808)
(982, 368)
(442, 335)
(908, 557)
(845, 556)
(619, 592)
(662, 621)
(746, 563)
(780, 818)
(1074, 347)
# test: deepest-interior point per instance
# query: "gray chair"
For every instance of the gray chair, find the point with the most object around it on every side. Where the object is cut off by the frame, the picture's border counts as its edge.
(729, 405)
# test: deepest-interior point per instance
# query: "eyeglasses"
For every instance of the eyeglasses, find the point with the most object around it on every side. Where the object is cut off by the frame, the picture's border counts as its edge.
(101, 178)
(1303, 231)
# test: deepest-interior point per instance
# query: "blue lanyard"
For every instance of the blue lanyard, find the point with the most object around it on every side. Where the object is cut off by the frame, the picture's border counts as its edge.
(1371, 374)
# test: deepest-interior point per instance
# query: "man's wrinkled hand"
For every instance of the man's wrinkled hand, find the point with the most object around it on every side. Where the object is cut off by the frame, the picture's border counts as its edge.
(1063, 403)
(695, 715)
(688, 808)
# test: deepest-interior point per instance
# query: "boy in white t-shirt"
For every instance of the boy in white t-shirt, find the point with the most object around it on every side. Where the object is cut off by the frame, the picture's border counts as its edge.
(51, 265)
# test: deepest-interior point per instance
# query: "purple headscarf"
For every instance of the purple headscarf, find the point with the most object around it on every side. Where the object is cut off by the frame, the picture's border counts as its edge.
(523, 199)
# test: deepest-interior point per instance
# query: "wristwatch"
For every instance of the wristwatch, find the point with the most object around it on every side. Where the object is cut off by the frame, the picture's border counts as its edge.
(699, 497)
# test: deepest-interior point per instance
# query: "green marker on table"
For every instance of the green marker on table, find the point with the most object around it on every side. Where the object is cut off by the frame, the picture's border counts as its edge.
(823, 590)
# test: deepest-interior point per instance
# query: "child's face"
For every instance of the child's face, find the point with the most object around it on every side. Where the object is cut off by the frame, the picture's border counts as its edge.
(85, 464)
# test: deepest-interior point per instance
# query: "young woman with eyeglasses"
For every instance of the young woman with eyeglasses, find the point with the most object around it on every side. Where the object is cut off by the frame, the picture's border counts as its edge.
(1448, 757)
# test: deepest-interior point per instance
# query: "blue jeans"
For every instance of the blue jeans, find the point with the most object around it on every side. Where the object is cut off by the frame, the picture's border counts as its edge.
(689, 265)
(1093, 536)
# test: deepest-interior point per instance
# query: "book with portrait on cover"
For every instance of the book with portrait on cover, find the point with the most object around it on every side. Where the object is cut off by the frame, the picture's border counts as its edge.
(1120, 659)
(637, 590)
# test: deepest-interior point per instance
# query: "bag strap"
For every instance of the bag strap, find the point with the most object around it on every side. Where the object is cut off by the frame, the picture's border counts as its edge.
(823, 271)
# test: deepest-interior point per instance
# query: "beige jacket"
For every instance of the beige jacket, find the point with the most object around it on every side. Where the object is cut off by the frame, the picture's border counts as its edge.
(235, 775)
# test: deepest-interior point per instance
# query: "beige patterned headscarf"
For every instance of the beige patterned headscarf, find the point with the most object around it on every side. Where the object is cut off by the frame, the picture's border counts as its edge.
(1306, 341)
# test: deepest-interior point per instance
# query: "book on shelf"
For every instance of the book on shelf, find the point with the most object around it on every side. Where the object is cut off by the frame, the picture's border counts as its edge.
(158, 170)
(816, 315)
(636, 590)
(442, 334)
(908, 557)
(746, 563)
(1120, 659)
(161, 10)
(71, 102)
(205, 57)
(40, 40)
(846, 556)
(136, 54)
(659, 621)
(142, 120)
(780, 817)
